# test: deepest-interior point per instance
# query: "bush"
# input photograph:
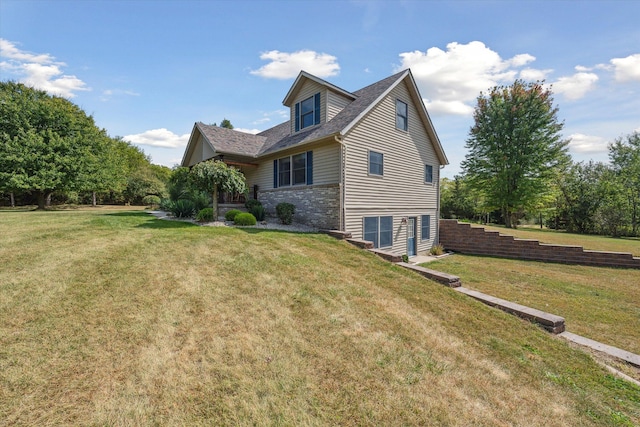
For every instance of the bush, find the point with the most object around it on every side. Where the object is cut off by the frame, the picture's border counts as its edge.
(244, 218)
(231, 215)
(437, 249)
(166, 205)
(258, 211)
(183, 209)
(252, 203)
(151, 200)
(200, 200)
(205, 215)
(285, 212)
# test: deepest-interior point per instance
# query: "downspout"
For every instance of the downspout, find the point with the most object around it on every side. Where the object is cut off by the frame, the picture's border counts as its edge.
(338, 139)
(437, 241)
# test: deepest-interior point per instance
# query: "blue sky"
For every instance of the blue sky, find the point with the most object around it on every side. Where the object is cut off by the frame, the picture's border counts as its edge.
(147, 70)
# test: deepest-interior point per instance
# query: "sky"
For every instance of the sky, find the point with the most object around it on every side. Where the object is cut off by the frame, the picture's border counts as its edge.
(147, 70)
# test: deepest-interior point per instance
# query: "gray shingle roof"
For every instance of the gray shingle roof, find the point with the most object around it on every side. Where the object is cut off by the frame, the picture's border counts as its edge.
(279, 137)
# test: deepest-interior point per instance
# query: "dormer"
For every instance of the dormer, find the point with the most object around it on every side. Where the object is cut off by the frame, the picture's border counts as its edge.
(313, 101)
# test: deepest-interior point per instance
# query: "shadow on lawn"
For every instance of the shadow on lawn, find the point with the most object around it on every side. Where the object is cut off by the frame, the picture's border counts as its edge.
(149, 221)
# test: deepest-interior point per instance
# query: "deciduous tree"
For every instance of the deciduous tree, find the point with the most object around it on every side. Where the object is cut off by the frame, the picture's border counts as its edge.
(515, 148)
(214, 176)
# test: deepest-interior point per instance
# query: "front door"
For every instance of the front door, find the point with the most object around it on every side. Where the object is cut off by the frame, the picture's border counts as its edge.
(411, 236)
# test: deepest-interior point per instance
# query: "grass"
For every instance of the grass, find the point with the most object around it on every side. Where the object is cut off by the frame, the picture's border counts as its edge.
(599, 303)
(590, 242)
(117, 318)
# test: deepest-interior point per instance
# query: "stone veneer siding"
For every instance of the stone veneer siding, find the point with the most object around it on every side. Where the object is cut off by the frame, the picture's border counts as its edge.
(462, 237)
(316, 205)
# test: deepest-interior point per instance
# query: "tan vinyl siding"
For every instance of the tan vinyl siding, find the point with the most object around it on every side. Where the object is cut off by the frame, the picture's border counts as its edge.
(335, 104)
(200, 152)
(309, 88)
(326, 166)
(401, 191)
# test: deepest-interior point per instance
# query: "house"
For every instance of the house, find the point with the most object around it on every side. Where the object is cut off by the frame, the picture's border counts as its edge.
(366, 162)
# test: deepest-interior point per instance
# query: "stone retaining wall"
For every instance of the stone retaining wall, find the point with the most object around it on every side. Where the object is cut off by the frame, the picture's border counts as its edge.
(316, 205)
(463, 238)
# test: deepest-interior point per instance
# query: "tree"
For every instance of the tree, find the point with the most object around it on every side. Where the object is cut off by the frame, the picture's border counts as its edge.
(624, 154)
(515, 148)
(214, 176)
(46, 142)
(226, 124)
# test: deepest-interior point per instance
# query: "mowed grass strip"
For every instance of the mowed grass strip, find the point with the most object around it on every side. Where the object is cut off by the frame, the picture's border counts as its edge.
(589, 242)
(599, 303)
(121, 319)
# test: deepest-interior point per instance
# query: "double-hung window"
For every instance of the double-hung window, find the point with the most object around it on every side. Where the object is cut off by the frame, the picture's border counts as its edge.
(284, 171)
(379, 230)
(402, 115)
(425, 227)
(307, 112)
(293, 170)
(428, 174)
(376, 161)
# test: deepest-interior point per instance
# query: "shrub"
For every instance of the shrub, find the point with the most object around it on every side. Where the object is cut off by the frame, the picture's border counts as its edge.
(405, 258)
(436, 249)
(251, 203)
(258, 211)
(183, 208)
(205, 215)
(200, 200)
(231, 215)
(244, 218)
(166, 205)
(151, 200)
(285, 212)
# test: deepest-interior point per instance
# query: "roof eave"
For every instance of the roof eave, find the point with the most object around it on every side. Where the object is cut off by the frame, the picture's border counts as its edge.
(431, 130)
(300, 144)
(304, 75)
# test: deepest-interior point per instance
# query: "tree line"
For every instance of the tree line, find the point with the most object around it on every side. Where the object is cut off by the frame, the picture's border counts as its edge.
(52, 151)
(517, 169)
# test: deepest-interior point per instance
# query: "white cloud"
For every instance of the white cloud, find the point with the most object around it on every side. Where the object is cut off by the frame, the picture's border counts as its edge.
(627, 69)
(281, 114)
(531, 74)
(448, 107)
(451, 80)
(521, 59)
(252, 131)
(575, 86)
(39, 71)
(159, 138)
(580, 143)
(109, 93)
(285, 65)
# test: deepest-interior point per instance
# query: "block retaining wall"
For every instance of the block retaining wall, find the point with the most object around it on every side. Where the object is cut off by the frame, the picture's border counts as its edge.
(463, 238)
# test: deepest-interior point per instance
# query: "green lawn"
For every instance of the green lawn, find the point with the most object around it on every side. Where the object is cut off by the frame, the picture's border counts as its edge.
(599, 303)
(116, 318)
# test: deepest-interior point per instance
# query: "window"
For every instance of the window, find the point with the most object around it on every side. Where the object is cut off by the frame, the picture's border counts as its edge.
(299, 169)
(401, 115)
(307, 112)
(293, 170)
(284, 171)
(428, 173)
(375, 163)
(379, 230)
(425, 227)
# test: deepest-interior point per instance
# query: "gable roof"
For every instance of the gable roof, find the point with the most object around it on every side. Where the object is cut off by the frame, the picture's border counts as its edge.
(299, 82)
(277, 138)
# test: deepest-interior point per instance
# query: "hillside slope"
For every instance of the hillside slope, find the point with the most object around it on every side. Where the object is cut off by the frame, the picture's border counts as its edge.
(116, 318)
